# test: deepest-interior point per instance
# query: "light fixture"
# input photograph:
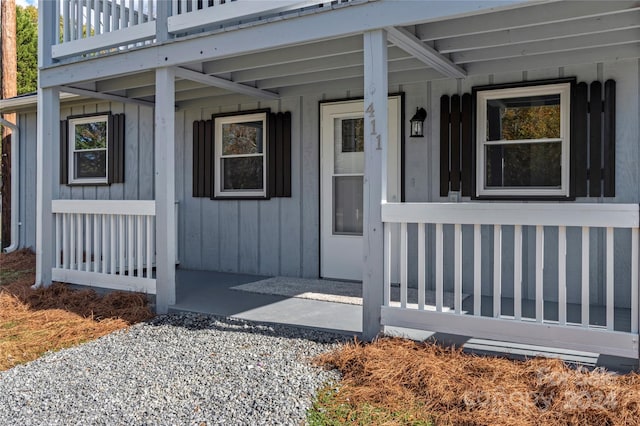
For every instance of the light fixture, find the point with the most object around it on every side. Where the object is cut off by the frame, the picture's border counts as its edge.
(417, 123)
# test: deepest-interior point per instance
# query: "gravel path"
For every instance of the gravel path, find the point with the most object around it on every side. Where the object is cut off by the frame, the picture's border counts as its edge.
(177, 369)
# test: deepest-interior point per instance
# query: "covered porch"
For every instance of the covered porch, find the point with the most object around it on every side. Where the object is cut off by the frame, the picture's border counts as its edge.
(185, 79)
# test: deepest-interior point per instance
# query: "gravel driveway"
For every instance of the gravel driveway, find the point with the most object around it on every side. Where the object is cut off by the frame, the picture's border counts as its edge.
(177, 369)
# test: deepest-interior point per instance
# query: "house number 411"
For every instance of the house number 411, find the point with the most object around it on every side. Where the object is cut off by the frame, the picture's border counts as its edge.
(372, 115)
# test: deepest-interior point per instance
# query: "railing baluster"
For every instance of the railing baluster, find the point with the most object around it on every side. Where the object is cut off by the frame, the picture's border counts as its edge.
(387, 264)
(106, 16)
(539, 272)
(562, 275)
(58, 236)
(183, 6)
(112, 243)
(105, 246)
(149, 246)
(121, 240)
(130, 240)
(477, 277)
(79, 19)
(96, 242)
(140, 260)
(66, 20)
(174, 7)
(439, 267)
(123, 13)
(151, 14)
(65, 241)
(497, 270)
(403, 264)
(517, 272)
(634, 280)
(140, 13)
(131, 15)
(72, 241)
(585, 277)
(610, 281)
(421, 266)
(57, 27)
(87, 243)
(80, 242)
(96, 17)
(457, 247)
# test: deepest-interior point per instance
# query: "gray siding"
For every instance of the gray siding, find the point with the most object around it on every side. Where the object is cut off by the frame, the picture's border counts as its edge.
(281, 236)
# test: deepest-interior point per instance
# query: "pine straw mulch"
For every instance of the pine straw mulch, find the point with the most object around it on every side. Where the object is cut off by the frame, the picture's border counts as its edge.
(33, 322)
(441, 385)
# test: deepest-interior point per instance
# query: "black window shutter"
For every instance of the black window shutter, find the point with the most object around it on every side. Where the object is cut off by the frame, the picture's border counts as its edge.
(609, 138)
(64, 152)
(116, 149)
(467, 146)
(595, 148)
(455, 143)
(271, 161)
(579, 139)
(444, 146)
(203, 168)
(279, 173)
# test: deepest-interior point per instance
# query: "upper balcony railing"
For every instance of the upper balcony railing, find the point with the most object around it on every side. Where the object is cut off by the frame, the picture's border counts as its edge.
(93, 27)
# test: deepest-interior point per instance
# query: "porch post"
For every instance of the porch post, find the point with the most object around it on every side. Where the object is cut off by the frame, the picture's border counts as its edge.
(165, 190)
(47, 144)
(375, 176)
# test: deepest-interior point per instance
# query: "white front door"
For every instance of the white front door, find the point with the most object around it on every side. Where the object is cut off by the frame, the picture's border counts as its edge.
(341, 183)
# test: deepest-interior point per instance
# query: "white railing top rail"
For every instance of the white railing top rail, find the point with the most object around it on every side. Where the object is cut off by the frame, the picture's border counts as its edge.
(545, 214)
(115, 207)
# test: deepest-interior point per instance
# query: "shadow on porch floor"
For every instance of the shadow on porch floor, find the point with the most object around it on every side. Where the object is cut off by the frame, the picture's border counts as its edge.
(210, 292)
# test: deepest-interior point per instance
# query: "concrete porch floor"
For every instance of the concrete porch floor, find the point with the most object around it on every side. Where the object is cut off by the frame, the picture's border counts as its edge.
(210, 292)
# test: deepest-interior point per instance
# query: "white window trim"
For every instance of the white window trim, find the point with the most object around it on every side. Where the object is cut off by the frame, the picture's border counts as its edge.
(72, 150)
(564, 90)
(219, 165)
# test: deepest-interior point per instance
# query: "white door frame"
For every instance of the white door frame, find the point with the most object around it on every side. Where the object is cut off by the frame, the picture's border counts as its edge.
(341, 255)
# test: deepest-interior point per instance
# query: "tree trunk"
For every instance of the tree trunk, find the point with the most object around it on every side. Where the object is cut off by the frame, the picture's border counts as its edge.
(9, 90)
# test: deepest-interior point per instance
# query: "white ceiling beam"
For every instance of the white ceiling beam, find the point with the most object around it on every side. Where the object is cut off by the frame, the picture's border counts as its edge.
(323, 49)
(612, 38)
(540, 32)
(424, 53)
(224, 84)
(312, 65)
(126, 82)
(105, 96)
(531, 14)
(555, 60)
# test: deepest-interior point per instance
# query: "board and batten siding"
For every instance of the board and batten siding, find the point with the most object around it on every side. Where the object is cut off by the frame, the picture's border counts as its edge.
(280, 236)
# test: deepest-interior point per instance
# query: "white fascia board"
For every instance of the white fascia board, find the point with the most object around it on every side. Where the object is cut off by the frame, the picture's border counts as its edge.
(22, 102)
(271, 35)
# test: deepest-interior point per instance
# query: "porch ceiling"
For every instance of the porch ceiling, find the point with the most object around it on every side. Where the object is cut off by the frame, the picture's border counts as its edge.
(533, 36)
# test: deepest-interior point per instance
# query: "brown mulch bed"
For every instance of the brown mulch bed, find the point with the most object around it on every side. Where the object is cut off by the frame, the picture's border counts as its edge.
(35, 321)
(446, 386)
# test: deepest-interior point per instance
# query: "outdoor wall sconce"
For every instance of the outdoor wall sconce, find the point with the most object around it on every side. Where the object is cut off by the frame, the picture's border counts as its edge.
(417, 123)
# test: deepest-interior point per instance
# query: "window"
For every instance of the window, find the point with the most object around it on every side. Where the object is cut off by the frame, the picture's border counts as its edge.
(240, 155)
(523, 141)
(88, 148)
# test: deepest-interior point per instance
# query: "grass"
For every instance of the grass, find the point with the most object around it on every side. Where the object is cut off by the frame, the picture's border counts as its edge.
(33, 322)
(396, 381)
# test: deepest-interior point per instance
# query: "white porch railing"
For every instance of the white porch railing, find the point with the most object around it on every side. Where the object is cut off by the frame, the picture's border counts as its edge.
(532, 325)
(105, 243)
(101, 26)
(92, 26)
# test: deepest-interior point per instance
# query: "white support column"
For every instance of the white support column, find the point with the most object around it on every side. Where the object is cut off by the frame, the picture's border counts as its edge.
(48, 140)
(375, 178)
(47, 145)
(165, 190)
